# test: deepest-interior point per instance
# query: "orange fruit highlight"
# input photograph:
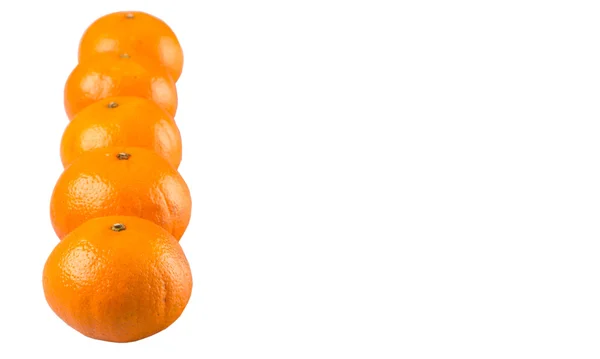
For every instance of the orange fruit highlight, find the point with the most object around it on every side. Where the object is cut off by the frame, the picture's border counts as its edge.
(135, 33)
(128, 181)
(122, 121)
(118, 279)
(110, 74)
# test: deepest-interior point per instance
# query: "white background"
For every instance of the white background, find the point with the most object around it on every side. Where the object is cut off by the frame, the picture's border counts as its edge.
(371, 179)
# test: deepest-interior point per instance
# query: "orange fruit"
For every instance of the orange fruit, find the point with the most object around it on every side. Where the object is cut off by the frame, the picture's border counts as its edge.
(122, 121)
(136, 33)
(128, 181)
(108, 75)
(118, 279)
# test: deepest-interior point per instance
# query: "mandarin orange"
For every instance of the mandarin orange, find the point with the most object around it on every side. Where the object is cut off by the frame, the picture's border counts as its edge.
(118, 279)
(110, 74)
(122, 121)
(129, 181)
(135, 33)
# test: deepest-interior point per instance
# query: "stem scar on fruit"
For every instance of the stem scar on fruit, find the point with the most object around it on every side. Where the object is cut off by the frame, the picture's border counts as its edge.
(113, 105)
(123, 156)
(118, 227)
(129, 15)
(125, 56)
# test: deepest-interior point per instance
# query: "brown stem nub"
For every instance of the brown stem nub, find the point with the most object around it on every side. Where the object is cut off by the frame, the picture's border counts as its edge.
(113, 105)
(123, 156)
(129, 15)
(118, 227)
(125, 56)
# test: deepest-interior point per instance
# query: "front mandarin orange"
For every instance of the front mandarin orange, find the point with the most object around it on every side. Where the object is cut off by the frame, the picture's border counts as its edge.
(118, 279)
(122, 121)
(136, 33)
(130, 181)
(111, 74)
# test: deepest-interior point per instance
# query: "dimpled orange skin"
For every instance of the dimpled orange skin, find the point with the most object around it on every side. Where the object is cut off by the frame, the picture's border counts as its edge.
(118, 279)
(129, 181)
(107, 75)
(122, 121)
(136, 33)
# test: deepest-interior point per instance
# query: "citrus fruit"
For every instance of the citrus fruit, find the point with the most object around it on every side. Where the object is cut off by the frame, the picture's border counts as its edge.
(122, 121)
(130, 181)
(136, 33)
(111, 74)
(118, 279)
